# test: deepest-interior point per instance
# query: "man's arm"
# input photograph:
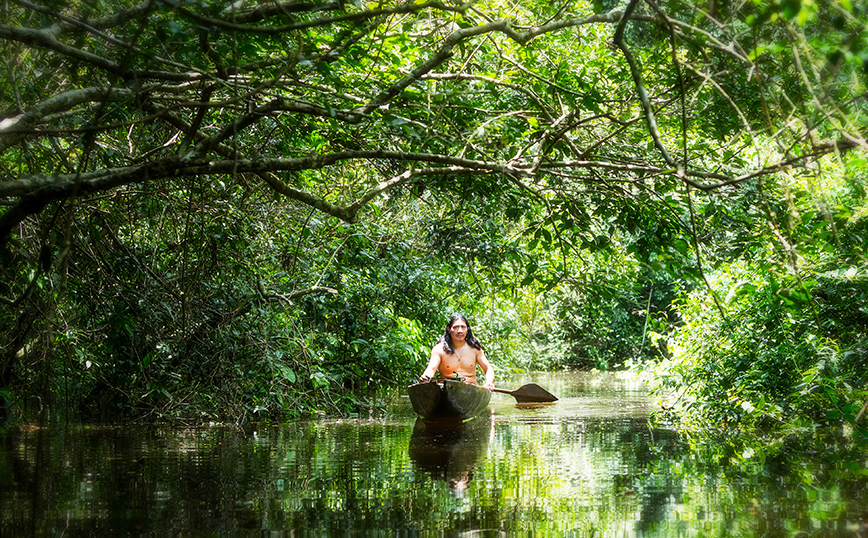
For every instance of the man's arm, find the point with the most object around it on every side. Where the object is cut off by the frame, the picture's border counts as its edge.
(487, 369)
(433, 364)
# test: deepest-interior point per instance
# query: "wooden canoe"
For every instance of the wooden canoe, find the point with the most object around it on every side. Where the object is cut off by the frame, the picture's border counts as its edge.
(448, 400)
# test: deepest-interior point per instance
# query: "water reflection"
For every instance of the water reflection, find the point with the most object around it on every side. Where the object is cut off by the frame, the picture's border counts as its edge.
(450, 451)
(589, 465)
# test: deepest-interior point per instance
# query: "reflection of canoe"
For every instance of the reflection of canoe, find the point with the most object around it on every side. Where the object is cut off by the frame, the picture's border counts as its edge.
(447, 399)
(450, 450)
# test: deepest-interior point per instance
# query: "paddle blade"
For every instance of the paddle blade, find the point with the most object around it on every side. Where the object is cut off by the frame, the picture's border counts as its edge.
(532, 393)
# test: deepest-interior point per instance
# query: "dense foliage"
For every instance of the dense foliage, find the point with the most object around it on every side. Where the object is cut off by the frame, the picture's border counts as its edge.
(232, 208)
(792, 348)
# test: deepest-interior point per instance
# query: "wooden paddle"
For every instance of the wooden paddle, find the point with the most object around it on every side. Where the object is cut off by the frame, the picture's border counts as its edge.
(529, 393)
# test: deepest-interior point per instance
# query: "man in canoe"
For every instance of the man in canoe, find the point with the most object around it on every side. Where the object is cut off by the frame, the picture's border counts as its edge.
(458, 352)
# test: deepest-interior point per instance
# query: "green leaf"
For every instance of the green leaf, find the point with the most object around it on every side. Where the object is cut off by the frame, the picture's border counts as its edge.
(288, 374)
(681, 246)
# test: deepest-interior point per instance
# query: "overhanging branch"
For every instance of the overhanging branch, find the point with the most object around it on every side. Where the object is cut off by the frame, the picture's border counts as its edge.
(38, 191)
(638, 81)
(12, 130)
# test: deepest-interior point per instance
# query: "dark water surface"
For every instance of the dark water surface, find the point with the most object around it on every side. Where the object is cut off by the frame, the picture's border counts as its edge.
(589, 465)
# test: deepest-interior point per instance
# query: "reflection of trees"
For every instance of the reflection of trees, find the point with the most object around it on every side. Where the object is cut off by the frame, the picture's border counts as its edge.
(142, 481)
(587, 476)
(606, 477)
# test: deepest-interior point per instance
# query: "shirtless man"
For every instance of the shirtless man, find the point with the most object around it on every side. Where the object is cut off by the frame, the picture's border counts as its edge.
(458, 352)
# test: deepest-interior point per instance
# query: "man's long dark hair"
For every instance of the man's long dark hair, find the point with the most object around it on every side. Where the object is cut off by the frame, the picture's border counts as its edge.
(470, 340)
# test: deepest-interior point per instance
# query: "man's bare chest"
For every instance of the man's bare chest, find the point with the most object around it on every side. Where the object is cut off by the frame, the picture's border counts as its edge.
(462, 358)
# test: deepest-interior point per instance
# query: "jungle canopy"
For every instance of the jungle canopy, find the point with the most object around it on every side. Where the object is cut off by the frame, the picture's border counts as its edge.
(226, 208)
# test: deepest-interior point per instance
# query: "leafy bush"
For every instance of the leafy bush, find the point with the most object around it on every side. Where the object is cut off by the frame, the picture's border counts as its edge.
(786, 355)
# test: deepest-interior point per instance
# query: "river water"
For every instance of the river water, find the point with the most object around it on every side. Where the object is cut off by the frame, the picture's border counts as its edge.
(590, 465)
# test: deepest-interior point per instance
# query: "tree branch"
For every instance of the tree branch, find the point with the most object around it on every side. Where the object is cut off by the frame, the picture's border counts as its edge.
(292, 296)
(12, 130)
(639, 82)
(277, 30)
(32, 37)
(39, 191)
